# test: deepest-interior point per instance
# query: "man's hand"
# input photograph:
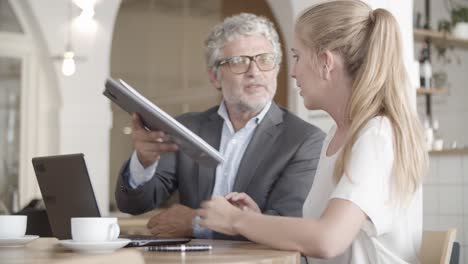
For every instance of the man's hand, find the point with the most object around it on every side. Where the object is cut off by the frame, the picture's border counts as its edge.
(149, 145)
(243, 202)
(176, 221)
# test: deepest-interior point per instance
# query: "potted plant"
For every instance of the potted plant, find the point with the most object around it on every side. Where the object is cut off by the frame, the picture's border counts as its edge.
(445, 51)
(460, 22)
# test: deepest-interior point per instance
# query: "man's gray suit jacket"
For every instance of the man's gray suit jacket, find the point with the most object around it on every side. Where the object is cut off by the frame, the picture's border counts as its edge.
(277, 169)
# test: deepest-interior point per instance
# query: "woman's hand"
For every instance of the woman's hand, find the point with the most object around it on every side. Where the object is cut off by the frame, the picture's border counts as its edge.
(243, 202)
(219, 215)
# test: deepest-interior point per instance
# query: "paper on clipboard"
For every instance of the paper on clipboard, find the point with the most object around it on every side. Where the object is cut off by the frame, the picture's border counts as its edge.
(154, 118)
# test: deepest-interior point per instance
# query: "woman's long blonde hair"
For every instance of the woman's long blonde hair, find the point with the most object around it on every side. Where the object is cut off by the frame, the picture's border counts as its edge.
(369, 43)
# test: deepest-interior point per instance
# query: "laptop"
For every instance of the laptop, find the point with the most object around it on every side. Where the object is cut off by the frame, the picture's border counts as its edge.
(67, 192)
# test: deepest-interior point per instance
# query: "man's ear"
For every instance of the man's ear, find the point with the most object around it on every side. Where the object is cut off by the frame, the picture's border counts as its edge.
(327, 62)
(213, 76)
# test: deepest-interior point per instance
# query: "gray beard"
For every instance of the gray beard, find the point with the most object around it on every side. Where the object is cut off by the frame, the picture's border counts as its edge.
(245, 107)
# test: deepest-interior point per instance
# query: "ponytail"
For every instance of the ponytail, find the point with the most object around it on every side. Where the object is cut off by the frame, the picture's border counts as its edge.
(370, 45)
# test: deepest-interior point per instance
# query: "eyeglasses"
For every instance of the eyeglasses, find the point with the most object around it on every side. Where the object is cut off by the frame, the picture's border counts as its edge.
(241, 64)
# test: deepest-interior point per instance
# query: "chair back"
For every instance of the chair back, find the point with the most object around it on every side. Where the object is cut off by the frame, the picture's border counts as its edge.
(437, 246)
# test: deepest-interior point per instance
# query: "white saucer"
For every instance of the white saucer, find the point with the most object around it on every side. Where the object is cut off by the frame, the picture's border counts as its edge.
(95, 247)
(16, 241)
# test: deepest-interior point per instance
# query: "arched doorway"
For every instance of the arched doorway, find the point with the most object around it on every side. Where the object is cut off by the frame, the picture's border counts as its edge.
(158, 48)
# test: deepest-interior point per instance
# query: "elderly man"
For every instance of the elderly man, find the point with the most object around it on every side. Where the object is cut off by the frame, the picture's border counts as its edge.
(270, 154)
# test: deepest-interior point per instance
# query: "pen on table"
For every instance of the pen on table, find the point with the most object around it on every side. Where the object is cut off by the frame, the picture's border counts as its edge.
(181, 248)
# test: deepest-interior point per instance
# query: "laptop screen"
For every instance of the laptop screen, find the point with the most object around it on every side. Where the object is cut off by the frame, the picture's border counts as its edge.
(66, 189)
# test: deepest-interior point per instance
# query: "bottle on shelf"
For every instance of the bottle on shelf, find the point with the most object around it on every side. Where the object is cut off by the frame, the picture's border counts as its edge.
(425, 70)
(428, 133)
(438, 141)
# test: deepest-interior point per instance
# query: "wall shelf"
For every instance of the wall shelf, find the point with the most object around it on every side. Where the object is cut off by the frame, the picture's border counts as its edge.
(440, 38)
(431, 91)
(457, 151)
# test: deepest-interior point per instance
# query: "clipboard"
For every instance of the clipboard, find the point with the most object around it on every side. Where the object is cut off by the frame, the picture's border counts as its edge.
(155, 118)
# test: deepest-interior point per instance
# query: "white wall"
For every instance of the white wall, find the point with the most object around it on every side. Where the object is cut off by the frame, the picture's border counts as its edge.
(446, 197)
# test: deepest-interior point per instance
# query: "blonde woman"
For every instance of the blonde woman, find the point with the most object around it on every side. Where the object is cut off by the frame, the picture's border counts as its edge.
(365, 205)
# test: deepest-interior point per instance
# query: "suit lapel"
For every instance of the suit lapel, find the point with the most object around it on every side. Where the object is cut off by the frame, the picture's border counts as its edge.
(261, 143)
(210, 131)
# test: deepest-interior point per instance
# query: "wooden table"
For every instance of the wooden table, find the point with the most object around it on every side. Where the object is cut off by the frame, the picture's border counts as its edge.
(47, 251)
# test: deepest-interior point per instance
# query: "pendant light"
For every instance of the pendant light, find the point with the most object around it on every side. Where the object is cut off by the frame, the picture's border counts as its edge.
(68, 58)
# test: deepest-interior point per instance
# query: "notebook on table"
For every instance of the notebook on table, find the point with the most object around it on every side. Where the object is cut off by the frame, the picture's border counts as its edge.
(67, 192)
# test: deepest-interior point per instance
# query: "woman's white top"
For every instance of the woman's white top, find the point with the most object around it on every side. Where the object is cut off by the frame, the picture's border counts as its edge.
(391, 234)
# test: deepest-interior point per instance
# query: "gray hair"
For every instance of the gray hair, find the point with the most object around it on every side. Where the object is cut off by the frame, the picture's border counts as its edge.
(242, 24)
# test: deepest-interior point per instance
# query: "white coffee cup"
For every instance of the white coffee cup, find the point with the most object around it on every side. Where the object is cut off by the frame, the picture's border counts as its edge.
(13, 226)
(94, 229)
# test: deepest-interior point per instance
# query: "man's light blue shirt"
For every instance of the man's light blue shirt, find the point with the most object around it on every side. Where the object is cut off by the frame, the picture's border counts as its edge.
(232, 147)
